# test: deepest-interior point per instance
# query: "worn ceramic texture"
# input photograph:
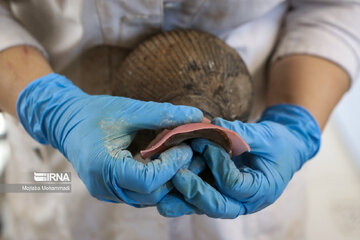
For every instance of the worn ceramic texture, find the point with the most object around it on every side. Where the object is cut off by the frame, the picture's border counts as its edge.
(185, 67)
(190, 68)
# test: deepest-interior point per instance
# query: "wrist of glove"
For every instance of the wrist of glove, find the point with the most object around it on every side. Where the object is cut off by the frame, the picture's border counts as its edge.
(300, 123)
(44, 108)
(93, 133)
(285, 137)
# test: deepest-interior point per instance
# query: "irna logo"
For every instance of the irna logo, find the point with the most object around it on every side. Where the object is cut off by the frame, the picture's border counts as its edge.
(52, 176)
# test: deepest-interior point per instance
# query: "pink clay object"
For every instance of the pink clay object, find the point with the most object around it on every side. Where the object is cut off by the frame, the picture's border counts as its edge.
(184, 132)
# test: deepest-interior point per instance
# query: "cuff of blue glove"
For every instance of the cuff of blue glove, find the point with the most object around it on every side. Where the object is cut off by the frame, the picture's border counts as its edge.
(38, 102)
(299, 120)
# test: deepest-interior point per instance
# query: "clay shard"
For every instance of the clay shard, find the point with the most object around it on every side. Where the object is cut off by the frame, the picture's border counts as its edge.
(226, 138)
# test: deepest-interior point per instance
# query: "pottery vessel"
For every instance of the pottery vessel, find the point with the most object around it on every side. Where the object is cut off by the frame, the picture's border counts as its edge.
(185, 67)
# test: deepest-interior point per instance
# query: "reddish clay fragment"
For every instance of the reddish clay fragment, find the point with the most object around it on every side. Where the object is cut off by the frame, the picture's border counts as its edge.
(228, 139)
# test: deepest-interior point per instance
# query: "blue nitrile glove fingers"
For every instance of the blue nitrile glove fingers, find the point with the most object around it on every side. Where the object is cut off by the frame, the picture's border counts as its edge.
(204, 197)
(173, 204)
(196, 165)
(93, 132)
(123, 185)
(219, 205)
(281, 142)
(144, 199)
(239, 183)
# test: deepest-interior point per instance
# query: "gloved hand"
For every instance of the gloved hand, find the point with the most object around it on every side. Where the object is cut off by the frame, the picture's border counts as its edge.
(281, 142)
(93, 132)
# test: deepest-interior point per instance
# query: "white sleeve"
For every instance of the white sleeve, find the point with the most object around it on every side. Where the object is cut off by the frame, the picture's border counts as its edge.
(12, 33)
(325, 28)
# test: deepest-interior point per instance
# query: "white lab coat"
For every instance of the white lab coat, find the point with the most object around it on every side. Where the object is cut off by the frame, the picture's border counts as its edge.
(63, 30)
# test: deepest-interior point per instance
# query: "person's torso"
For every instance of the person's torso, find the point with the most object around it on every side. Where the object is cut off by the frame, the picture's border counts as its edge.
(66, 28)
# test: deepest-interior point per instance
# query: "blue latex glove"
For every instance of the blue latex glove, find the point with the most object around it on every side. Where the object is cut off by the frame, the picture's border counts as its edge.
(93, 132)
(281, 142)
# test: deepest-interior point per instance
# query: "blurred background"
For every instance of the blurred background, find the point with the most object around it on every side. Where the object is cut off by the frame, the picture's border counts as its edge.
(333, 175)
